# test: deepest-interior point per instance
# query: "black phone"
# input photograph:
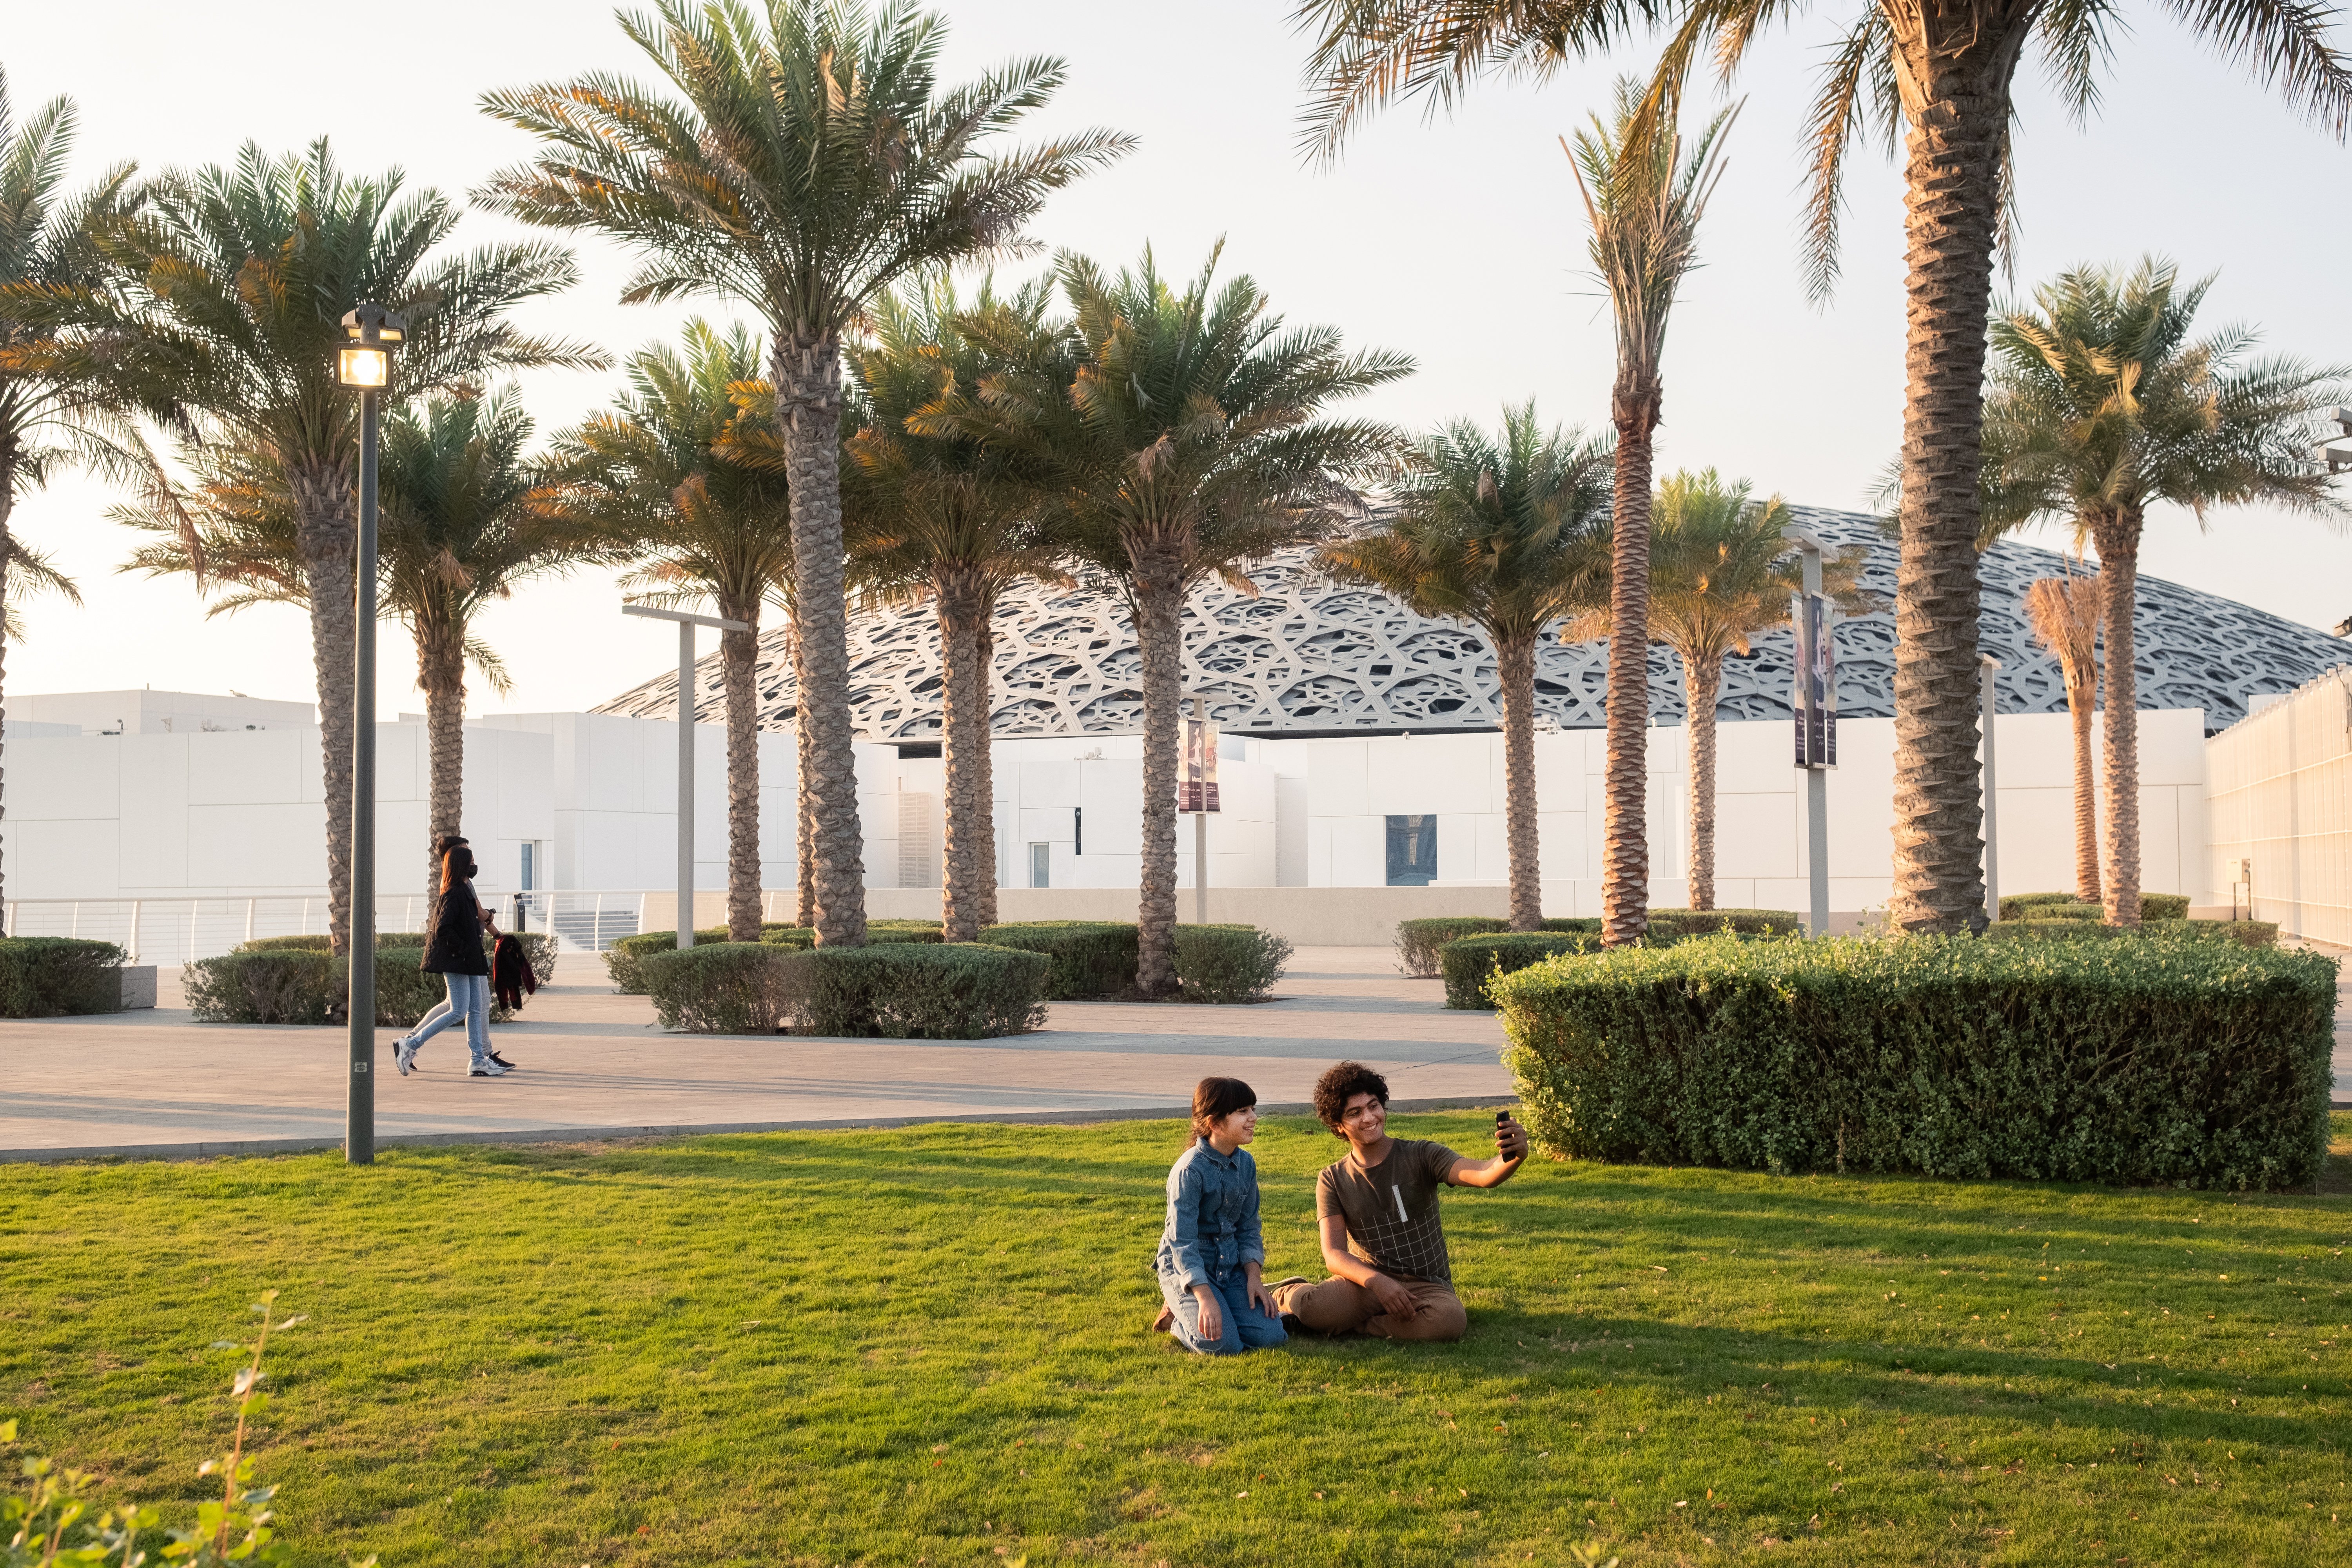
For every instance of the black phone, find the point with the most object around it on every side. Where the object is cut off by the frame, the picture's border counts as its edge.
(1501, 1117)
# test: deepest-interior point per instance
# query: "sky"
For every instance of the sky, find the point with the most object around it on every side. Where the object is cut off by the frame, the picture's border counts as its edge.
(1457, 240)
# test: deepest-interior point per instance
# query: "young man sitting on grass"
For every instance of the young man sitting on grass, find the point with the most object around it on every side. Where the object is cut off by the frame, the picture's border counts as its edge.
(1378, 1210)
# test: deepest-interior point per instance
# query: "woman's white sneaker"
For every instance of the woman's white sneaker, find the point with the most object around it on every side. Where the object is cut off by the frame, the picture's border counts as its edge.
(487, 1070)
(403, 1056)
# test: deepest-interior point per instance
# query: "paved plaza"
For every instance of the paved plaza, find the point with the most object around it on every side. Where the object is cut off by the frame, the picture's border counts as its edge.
(593, 1064)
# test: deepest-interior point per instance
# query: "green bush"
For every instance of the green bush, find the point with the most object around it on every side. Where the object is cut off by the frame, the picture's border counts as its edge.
(1417, 942)
(2163, 906)
(2138, 1058)
(623, 959)
(717, 988)
(539, 946)
(2152, 905)
(1706, 922)
(1088, 958)
(1228, 963)
(59, 976)
(305, 985)
(908, 991)
(907, 930)
(1589, 925)
(1470, 962)
(2068, 928)
(788, 936)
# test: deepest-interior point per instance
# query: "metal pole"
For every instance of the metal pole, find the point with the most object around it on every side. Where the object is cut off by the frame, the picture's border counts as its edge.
(359, 1115)
(1817, 786)
(1987, 668)
(685, 784)
(1201, 863)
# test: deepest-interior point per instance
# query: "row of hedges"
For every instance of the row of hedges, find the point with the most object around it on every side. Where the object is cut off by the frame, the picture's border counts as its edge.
(1419, 943)
(2047, 906)
(2145, 1058)
(59, 977)
(624, 961)
(298, 980)
(2042, 926)
(936, 991)
(1472, 962)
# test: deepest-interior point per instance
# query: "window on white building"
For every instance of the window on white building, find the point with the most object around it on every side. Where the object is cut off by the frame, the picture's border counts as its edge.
(1413, 850)
(1041, 865)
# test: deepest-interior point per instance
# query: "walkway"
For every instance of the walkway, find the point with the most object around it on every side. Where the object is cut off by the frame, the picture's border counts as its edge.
(594, 1065)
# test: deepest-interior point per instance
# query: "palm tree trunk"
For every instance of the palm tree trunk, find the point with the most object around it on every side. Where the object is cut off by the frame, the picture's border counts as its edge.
(1955, 65)
(1625, 830)
(982, 764)
(1702, 678)
(808, 395)
(803, 815)
(322, 492)
(2082, 698)
(1514, 659)
(967, 852)
(738, 657)
(2117, 536)
(1159, 590)
(441, 671)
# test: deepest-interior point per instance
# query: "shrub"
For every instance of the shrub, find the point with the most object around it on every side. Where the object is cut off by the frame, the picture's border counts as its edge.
(624, 959)
(2063, 928)
(1470, 962)
(907, 930)
(1706, 922)
(1417, 942)
(2140, 1058)
(59, 976)
(716, 988)
(2033, 906)
(2164, 906)
(908, 991)
(788, 936)
(305, 985)
(1228, 963)
(1588, 924)
(1088, 958)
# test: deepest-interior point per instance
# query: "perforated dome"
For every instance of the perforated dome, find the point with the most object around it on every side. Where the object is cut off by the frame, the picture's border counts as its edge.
(1309, 656)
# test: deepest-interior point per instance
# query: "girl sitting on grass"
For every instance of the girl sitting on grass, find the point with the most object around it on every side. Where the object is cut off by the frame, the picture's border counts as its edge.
(1211, 1255)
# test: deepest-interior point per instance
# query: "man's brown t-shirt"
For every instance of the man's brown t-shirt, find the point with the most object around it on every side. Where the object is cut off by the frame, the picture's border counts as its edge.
(1391, 1208)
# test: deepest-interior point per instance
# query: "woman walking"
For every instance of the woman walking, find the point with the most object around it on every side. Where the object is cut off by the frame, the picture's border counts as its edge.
(452, 950)
(1211, 1253)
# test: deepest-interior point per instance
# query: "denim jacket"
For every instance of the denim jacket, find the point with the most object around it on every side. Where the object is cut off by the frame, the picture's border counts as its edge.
(1212, 1225)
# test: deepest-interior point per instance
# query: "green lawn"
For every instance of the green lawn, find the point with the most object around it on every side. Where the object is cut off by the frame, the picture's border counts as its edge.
(929, 1347)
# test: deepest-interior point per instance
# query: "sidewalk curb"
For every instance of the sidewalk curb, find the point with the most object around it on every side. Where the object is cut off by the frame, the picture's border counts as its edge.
(242, 1148)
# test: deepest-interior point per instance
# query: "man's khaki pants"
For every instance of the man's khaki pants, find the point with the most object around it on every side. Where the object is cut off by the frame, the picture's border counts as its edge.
(1343, 1307)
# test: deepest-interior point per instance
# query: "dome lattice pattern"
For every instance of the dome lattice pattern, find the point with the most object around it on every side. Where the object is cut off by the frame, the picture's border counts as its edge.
(1311, 655)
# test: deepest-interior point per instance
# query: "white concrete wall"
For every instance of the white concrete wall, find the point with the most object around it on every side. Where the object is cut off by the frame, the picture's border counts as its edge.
(1040, 782)
(151, 712)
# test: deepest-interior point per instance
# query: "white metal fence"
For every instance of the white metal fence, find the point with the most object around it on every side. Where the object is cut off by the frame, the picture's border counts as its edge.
(179, 930)
(2279, 787)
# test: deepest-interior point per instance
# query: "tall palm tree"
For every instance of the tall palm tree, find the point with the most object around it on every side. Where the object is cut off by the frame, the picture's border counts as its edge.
(1719, 574)
(1506, 533)
(49, 420)
(955, 519)
(815, 161)
(1184, 433)
(2101, 405)
(1644, 194)
(1936, 74)
(2066, 613)
(684, 470)
(459, 533)
(224, 295)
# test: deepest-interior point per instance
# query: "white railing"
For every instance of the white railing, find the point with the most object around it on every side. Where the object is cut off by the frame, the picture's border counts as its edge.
(181, 931)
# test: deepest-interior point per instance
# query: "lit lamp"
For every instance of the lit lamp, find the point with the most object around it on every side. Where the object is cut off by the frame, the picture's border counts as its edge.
(372, 335)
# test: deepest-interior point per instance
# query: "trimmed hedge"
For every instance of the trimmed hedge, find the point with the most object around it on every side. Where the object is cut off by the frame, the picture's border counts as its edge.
(1088, 958)
(717, 987)
(1706, 922)
(2070, 928)
(539, 946)
(1228, 963)
(2152, 905)
(905, 991)
(2138, 1058)
(1469, 962)
(59, 977)
(305, 985)
(1417, 942)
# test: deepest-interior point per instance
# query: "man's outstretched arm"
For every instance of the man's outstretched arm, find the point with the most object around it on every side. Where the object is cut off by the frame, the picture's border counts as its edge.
(1511, 1142)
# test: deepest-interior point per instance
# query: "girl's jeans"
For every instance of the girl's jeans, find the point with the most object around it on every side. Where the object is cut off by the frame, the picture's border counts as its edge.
(1246, 1327)
(469, 998)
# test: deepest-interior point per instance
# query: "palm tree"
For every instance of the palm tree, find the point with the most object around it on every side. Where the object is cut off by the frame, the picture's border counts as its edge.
(1939, 75)
(224, 295)
(1183, 434)
(685, 470)
(49, 420)
(1719, 574)
(1509, 534)
(2066, 613)
(951, 518)
(815, 162)
(2101, 405)
(458, 534)
(1644, 194)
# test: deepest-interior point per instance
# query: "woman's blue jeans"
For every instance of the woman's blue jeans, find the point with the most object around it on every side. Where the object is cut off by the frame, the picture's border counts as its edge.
(469, 999)
(1246, 1327)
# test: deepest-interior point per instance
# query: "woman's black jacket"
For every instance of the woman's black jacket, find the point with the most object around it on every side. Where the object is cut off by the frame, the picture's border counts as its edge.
(455, 943)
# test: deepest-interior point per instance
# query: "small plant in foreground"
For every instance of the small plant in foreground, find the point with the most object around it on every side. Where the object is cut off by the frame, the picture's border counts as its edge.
(48, 1522)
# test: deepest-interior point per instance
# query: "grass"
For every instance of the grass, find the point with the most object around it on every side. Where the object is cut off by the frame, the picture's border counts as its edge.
(927, 1347)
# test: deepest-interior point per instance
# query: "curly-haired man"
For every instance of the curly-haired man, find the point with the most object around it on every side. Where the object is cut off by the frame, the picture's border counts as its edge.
(1383, 1239)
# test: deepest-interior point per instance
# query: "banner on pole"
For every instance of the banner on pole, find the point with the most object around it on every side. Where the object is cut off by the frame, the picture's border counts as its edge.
(1814, 699)
(1196, 781)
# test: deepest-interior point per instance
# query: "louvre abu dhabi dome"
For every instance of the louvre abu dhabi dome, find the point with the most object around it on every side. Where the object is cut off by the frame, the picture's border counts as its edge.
(1311, 656)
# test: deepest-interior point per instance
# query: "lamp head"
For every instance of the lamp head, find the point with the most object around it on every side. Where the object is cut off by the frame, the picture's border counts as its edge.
(370, 334)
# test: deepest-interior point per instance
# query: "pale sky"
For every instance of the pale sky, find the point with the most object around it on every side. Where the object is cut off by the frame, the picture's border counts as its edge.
(1457, 241)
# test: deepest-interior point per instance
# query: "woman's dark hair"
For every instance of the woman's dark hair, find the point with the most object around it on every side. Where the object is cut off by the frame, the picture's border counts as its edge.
(1341, 1084)
(456, 865)
(1214, 1099)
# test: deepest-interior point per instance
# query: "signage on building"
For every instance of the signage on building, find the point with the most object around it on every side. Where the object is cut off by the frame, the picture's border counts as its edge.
(1815, 697)
(1196, 780)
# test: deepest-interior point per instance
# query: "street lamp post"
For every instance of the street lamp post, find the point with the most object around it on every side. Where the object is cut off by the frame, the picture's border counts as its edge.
(1987, 668)
(371, 336)
(686, 624)
(1817, 796)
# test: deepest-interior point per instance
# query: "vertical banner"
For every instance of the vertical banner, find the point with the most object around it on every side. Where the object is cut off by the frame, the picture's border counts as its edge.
(1814, 699)
(1196, 781)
